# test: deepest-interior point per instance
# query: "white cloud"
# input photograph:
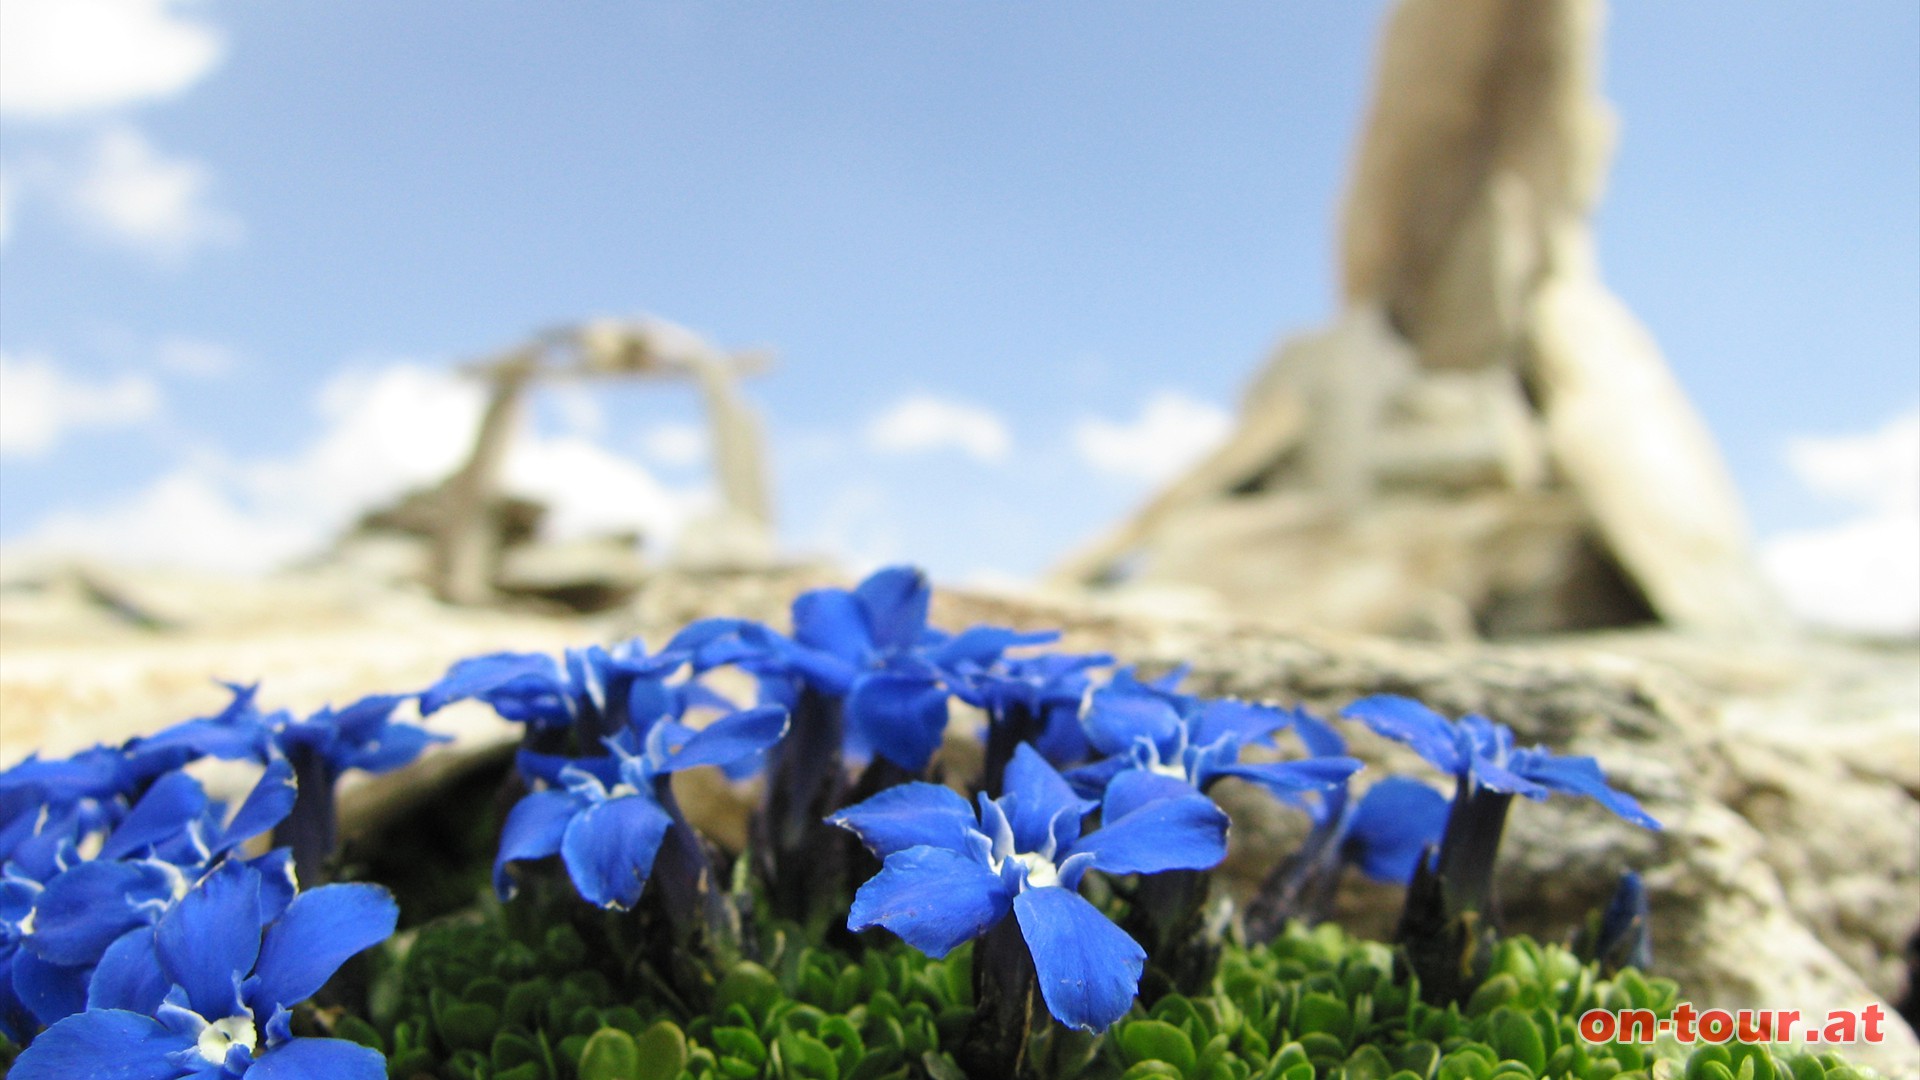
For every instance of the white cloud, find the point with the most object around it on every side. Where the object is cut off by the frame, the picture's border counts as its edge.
(1862, 575)
(194, 359)
(923, 422)
(387, 430)
(39, 404)
(61, 58)
(129, 193)
(679, 446)
(1172, 432)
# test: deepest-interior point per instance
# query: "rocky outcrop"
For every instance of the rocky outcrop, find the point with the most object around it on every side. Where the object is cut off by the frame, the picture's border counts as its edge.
(1483, 440)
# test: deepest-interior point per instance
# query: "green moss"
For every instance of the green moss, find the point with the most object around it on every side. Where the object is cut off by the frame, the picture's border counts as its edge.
(479, 1000)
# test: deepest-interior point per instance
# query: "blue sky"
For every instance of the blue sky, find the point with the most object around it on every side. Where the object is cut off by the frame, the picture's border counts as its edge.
(1049, 241)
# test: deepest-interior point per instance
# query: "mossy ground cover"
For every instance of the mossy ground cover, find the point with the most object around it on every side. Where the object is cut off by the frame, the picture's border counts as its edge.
(494, 994)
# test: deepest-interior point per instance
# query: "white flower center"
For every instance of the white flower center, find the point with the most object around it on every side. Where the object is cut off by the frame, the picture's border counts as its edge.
(220, 1035)
(620, 791)
(26, 924)
(1040, 870)
(1169, 768)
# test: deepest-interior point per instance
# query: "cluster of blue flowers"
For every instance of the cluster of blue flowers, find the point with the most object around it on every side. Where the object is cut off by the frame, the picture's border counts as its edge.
(134, 929)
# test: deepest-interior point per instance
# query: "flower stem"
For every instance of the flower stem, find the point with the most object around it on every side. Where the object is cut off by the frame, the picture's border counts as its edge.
(311, 829)
(1003, 996)
(1006, 730)
(797, 853)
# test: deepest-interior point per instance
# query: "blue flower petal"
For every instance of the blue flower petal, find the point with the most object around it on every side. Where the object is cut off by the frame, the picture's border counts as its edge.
(51, 992)
(1091, 781)
(984, 644)
(895, 599)
(1395, 821)
(83, 909)
(1039, 798)
(832, 621)
(104, 1045)
(524, 687)
(731, 738)
(161, 814)
(534, 830)
(1248, 722)
(397, 745)
(1115, 718)
(1496, 777)
(1579, 776)
(609, 849)
(1318, 736)
(934, 899)
(1088, 968)
(366, 718)
(208, 941)
(277, 881)
(270, 801)
(319, 1059)
(910, 815)
(1134, 788)
(1284, 778)
(1187, 833)
(901, 716)
(319, 931)
(1405, 720)
(129, 976)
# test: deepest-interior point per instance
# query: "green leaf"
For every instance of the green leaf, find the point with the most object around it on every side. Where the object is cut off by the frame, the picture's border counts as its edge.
(354, 1029)
(1497, 991)
(941, 1066)
(611, 1054)
(1326, 1014)
(1366, 1063)
(1156, 1040)
(749, 986)
(738, 1042)
(663, 1051)
(1709, 1070)
(1152, 1070)
(467, 1025)
(1513, 1034)
(511, 1049)
(803, 1056)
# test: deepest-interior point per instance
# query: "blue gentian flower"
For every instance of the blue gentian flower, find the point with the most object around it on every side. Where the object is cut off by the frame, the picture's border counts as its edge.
(1190, 744)
(1480, 754)
(207, 992)
(17, 896)
(607, 823)
(1385, 833)
(1488, 772)
(595, 691)
(1033, 699)
(325, 745)
(238, 731)
(143, 866)
(951, 875)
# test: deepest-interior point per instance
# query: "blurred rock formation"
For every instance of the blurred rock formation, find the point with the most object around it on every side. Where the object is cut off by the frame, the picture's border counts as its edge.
(483, 544)
(1484, 440)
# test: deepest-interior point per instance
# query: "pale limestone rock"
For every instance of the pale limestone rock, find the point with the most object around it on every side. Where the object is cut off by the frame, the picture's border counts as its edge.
(1478, 363)
(1623, 434)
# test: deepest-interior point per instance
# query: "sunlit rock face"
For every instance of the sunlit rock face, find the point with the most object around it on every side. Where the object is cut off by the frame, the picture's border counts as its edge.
(1484, 440)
